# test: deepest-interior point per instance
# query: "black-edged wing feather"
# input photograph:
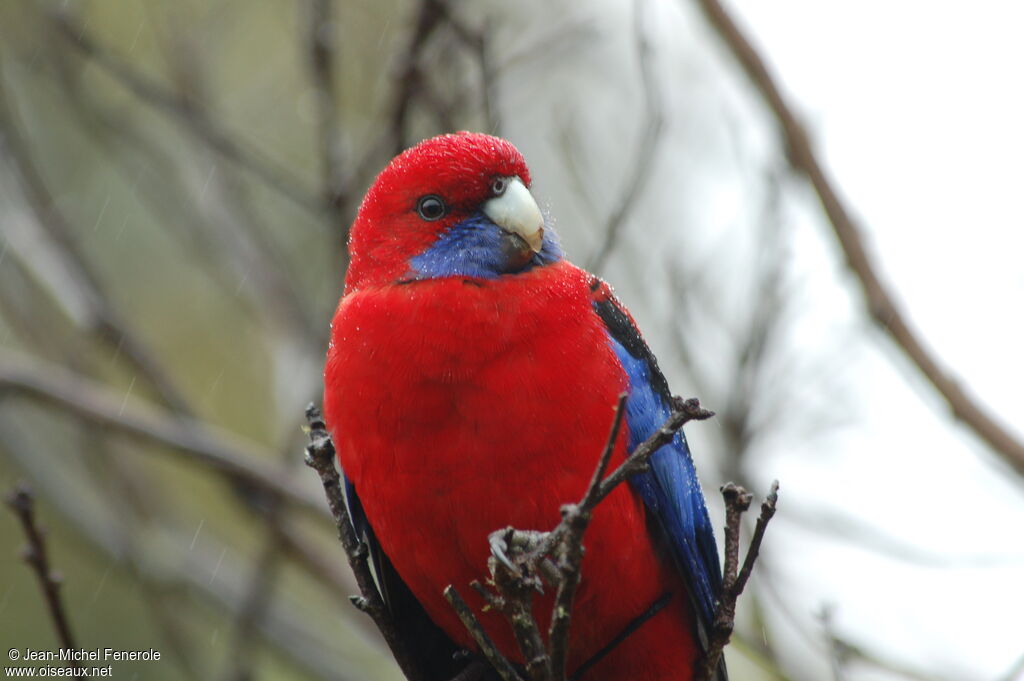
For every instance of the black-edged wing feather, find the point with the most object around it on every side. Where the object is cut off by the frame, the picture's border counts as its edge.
(670, 489)
(435, 653)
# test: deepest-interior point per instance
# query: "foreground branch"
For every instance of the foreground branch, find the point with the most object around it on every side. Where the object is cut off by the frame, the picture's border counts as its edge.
(22, 504)
(523, 560)
(320, 457)
(490, 651)
(881, 302)
(734, 578)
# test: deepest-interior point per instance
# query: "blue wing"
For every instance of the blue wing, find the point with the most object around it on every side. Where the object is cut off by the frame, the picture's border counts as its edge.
(670, 488)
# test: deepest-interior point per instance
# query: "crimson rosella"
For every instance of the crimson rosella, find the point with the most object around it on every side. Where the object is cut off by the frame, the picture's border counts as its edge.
(470, 384)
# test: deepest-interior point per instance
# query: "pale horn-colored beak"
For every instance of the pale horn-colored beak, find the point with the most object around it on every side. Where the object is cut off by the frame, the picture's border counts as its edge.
(516, 211)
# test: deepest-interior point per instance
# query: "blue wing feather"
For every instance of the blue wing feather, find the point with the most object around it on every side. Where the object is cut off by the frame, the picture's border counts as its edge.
(670, 489)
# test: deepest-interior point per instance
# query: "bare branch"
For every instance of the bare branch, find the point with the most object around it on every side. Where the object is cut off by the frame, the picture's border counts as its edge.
(487, 647)
(87, 399)
(514, 601)
(321, 39)
(193, 120)
(91, 303)
(572, 555)
(734, 577)
(521, 558)
(838, 655)
(255, 605)
(767, 513)
(881, 302)
(683, 411)
(320, 457)
(22, 505)
(287, 628)
(476, 41)
(409, 81)
(646, 153)
(609, 449)
(258, 600)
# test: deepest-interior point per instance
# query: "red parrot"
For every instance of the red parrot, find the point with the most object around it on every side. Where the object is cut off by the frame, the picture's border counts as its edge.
(470, 384)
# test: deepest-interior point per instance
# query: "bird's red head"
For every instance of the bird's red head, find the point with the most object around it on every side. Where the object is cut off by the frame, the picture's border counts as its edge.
(428, 189)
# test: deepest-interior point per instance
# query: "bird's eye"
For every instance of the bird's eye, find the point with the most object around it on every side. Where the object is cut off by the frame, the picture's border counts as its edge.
(499, 185)
(431, 207)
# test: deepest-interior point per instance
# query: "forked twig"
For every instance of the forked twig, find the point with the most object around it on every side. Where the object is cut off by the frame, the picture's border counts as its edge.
(735, 576)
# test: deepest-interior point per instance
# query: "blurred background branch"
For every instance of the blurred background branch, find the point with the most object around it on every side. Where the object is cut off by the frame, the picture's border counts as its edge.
(880, 300)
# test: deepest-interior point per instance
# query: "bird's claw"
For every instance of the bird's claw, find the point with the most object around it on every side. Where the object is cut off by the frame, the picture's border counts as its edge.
(498, 549)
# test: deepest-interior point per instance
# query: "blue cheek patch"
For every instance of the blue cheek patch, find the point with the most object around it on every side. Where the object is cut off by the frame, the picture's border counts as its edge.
(474, 248)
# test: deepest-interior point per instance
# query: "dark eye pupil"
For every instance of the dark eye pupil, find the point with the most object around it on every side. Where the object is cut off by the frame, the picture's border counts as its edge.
(498, 186)
(430, 207)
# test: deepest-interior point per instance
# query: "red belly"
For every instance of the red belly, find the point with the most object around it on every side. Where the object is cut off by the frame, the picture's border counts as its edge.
(460, 408)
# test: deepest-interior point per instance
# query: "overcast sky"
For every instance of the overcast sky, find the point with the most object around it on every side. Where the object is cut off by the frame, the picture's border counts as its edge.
(917, 109)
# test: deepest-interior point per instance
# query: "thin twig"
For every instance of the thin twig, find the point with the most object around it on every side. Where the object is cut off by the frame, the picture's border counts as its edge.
(335, 182)
(320, 456)
(572, 554)
(837, 653)
(22, 504)
(646, 152)
(222, 235)
(606, 455)
(683, 411)
(287, 629)
(408, 82)
(194, 121)
(222, 451)
(477, 42)
(515, 603)
(881, 302)
(753, 549)
(255, 605)
(83, 292)
(734, 576)
(261, 590)
(321, 39)
(483, 641)
(136, 505)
